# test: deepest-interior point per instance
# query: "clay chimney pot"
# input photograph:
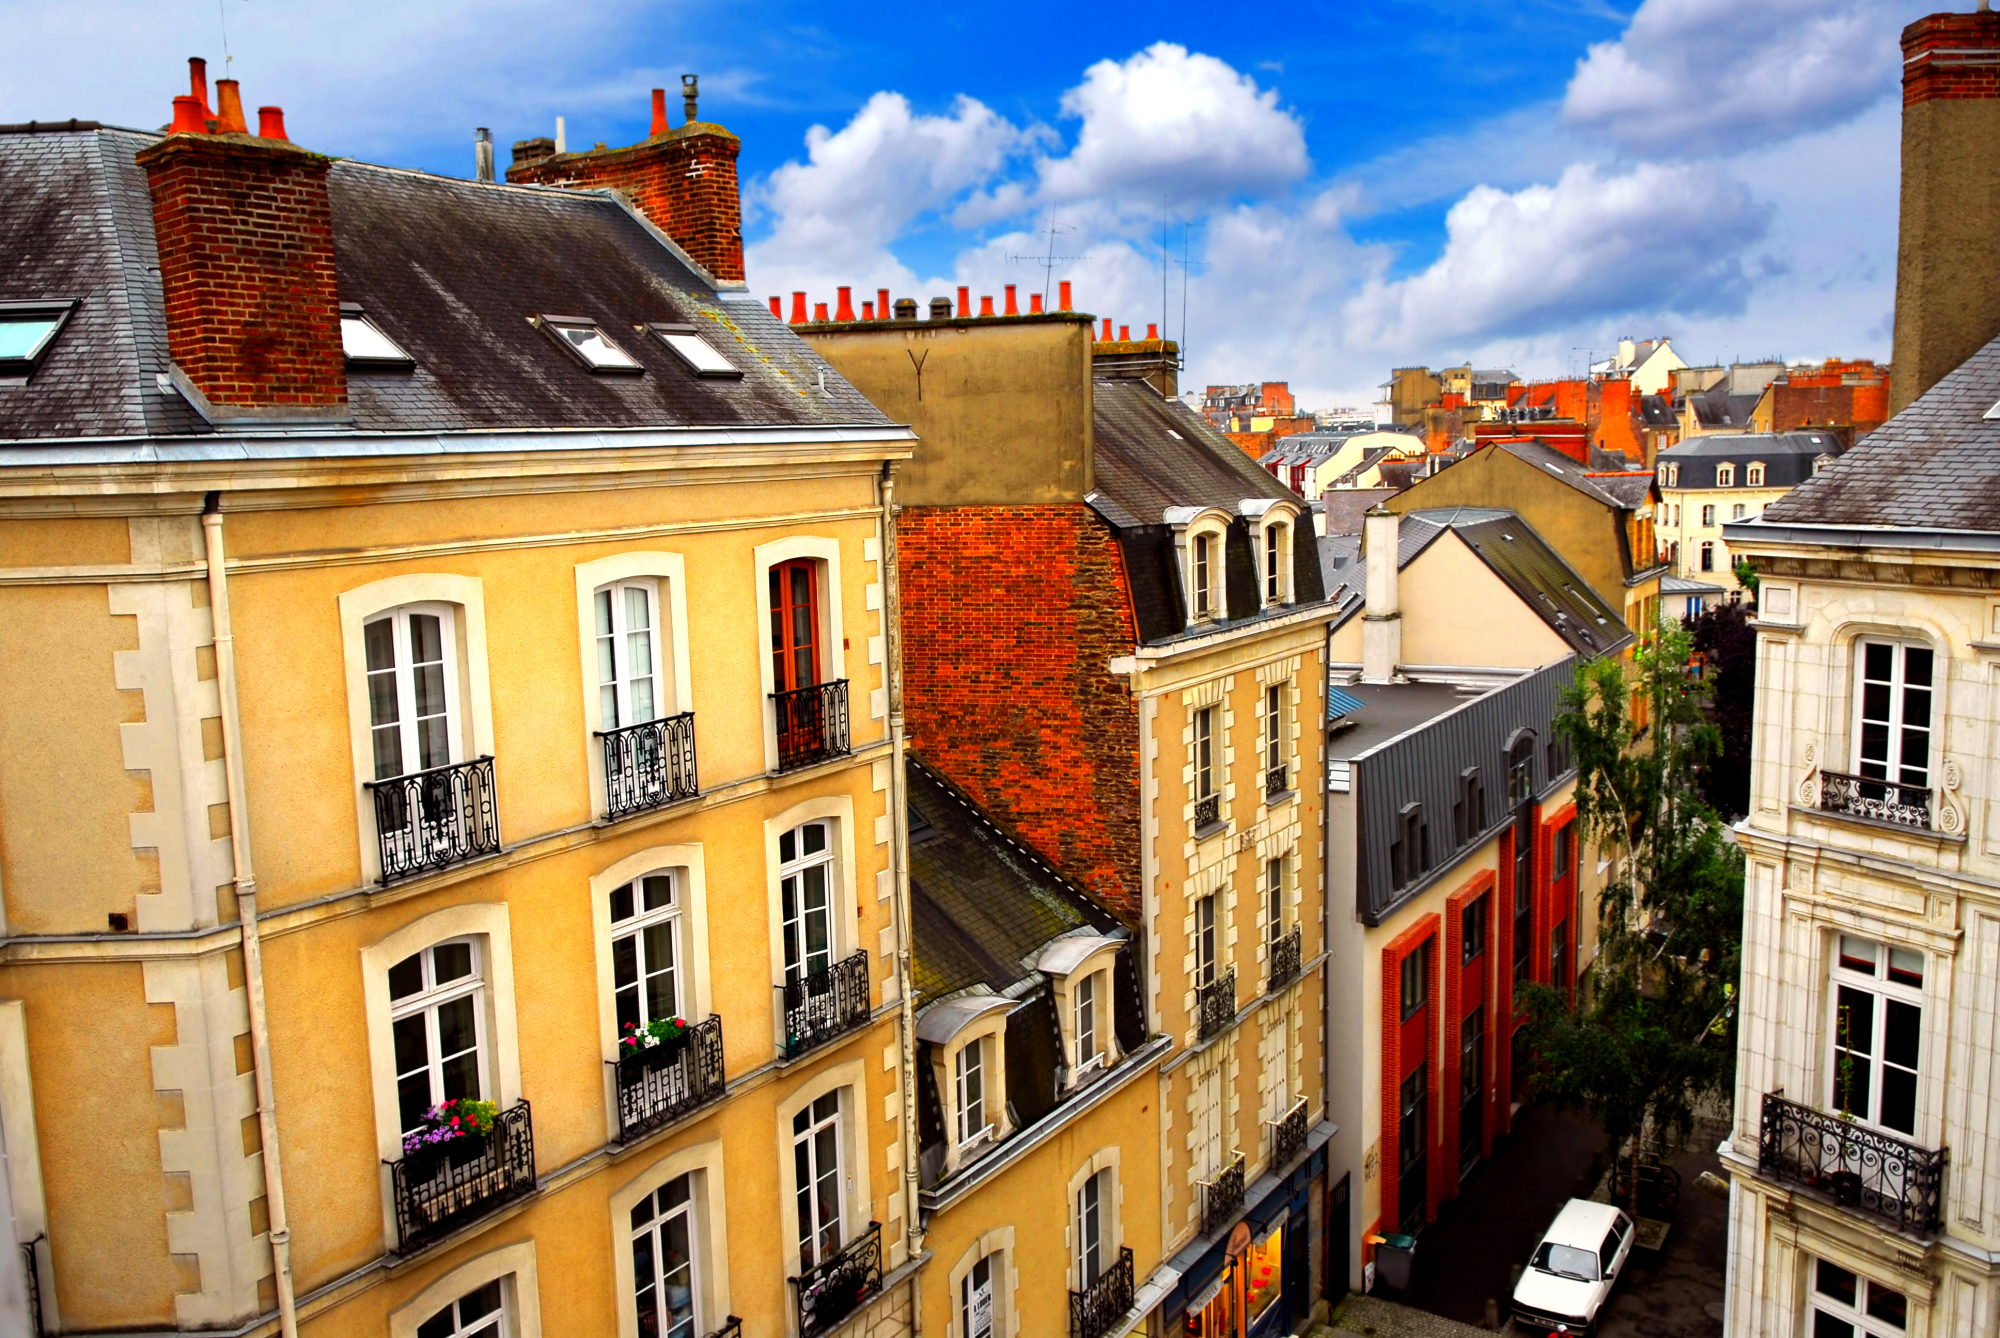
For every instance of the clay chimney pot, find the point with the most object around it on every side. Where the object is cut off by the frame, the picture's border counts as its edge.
(819, 312)
(188, 117)
(1062, 295)
(844, 310)
(659, 113)
(778, 306)
(964, 302)
(1034, 304)
(986, 305)
(798, 308)
(271, 125)
(1012, 308)
(198, 82)
(229, 112)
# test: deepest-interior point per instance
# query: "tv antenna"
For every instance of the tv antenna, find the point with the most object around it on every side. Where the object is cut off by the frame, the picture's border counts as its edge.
(1050, 260)
(222, 12)
(1186, 266)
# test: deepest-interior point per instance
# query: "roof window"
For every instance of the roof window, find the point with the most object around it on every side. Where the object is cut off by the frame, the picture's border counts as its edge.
(27, 330)
(588, 344)
(364, 343)
(699, 355)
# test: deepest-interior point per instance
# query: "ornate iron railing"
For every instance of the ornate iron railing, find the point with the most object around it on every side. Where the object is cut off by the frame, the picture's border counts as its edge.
(1860, 1168)
(1096, 1310)
(1284, 958)
(433, 819)
(33, 1265)
(812, 724)
(1215, 1003)
(665, 1082)
(648, 765)
(834, 1288)
(1881, 800)
(1207, 811)
(1278, 779)
(1288, 1135)
(445, 1185)
(826, 1004)
(731, 1328)
(1222, 1196)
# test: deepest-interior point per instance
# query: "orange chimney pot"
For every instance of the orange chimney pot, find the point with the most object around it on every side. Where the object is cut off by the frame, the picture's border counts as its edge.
(271, 123)
(986, 305)
(1152, 330)
(867, 311)
(1012, 309)
(229, 111)
(964, 302)
(798, 308)
(659, 113)
(1124, 334)
(777, 306)
(1062, 295)
(845, 310)
(819, 312)
(881, 304)
(1107, 329)
(188, 118)
(1034, 304)
(198, 82)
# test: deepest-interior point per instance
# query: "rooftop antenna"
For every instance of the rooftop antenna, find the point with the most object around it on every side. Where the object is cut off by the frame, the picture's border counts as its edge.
(1050, 260)
(1186, 266)
(222, 12)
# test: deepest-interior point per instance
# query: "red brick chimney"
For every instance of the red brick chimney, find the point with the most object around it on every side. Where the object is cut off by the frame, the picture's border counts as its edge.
(683, 180)
(245, 236)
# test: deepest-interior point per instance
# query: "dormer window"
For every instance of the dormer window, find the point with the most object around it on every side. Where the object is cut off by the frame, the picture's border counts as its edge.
(1725, 476)
(27, 331)
(1277, 546)
(588, 344)
(1204, 587)
(1673, 476)
(364, 344)
(699, 355)
(1753, 475)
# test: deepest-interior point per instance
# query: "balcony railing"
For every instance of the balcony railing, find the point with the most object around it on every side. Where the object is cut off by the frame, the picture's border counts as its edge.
(1278, 779)
(732, 1327)
(1285, 958)
(1880, 800)
(812, 724)
(1288, 1135)
(1207, 811)
(1859, 1168)
(445, 1185)
(828, 1003)
(835, 1287)
(648, 765)
(1215, 1003)
(1096, 1310)
(1222, 1196)
(433, 819)
(666, 1081)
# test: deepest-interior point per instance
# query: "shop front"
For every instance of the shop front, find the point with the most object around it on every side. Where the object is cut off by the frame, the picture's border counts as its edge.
(1260, 1276)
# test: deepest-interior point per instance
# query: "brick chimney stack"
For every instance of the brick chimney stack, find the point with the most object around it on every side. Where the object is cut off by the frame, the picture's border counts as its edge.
(682, 179)
(245, 236)
(1948, 254)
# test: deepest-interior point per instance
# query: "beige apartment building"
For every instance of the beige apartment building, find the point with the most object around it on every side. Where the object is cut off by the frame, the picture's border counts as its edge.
(1710, 481)
(529, 621)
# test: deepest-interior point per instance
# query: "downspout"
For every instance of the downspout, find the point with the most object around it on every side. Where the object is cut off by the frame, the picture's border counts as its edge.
(899, 899)
(246, 913)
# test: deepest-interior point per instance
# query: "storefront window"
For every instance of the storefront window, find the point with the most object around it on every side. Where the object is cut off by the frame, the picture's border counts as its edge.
(1262, 1274)
(1250, 1285)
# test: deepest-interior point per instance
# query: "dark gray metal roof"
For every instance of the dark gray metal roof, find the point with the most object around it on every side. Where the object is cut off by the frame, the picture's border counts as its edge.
(1935, 465)
(1788, 457)
(451, 270)
(1623, 491)
(1717, 408)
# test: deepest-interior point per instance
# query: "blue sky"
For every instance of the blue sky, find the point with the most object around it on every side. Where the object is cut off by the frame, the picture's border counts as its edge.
(1362, 185)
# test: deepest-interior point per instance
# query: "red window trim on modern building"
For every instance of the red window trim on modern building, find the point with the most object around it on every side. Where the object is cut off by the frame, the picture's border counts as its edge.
(1410, 940)
(1456, 1009)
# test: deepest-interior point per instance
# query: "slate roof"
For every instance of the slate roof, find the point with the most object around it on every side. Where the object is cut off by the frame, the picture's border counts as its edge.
(1935, 465)
(1516, 554)
(1656, 411)
(451, 270)
(1623, 491)
(981, 903)
(1717, 408)
(1787, 457)
(1344, 507)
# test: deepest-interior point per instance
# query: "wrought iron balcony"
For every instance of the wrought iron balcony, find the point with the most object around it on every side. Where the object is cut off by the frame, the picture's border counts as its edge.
(1876, 1173)
(1284, 959)
(1880, 800)
(835, 1287)
(828, 1003)
(1215, 1003)
(731, 1328)
(812, 724)
(1278, 779)
(648, 765)
(1222, 1196)
(437, 818)
(664, 1082)
(442, 1187)
(1207, 811)
(1096, 1310)
(1288, 1135)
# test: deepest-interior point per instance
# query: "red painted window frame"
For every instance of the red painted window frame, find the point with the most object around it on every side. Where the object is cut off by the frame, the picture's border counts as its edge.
(784, 624)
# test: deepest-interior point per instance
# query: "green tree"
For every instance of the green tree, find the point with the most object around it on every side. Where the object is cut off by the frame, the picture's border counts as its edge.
(1652, 1034)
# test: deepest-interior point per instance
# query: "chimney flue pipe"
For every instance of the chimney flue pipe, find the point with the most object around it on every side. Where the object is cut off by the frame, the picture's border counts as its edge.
(482, 155)
(1382, 620)
(690, 89)
(659, 113)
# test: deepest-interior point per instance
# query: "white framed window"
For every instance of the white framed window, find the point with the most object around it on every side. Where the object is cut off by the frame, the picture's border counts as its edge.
(1204, 940)
(1738, 511)
(1893, 706)
(1204, 752)
(975, 1298)
(1093, 1245)
(666, 1276)
(1846, 1306)
(1708, 555)
(648, 967)
(1277, 552)
(1204, 578)
(1725, 476)
(1274, 898)
(437, 1017)
(627, 627)
(1708, 517)
(1086, 1007)
(1753, 475)
(1877, 1032)
(414, 719)
(480, 1313)
(1208, 1122)
(1274, 734)
(1673, 476)
(817, 1180)
(969, 1093)
(805, 889)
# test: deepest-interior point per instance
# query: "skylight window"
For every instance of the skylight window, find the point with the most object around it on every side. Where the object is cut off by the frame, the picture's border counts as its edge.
(364, 343)
(588, 344)
(699, 355)
(27, 330)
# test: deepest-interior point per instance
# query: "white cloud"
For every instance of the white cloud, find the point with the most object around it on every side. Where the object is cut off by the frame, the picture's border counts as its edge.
(1176, 126)
(1697, 78)
(1656, 240)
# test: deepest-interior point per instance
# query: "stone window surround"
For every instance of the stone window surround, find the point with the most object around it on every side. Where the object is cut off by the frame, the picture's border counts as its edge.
(837, 811)
(1213, 521)
(998, 1242)
(1101, 963)
(466, 594)
(825, 552)
(1268, 513)
(851, 1080)
(1111, 1216)
(1843, 680)
(685, 862)
(514, 1263)
(989, 1031)
(703, 1162)
(670, 640)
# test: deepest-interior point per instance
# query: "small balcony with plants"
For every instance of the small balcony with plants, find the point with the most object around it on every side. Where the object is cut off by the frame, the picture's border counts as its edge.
(666, 1068)
(836, 1286)
(1856, 1166)
(465, 1160)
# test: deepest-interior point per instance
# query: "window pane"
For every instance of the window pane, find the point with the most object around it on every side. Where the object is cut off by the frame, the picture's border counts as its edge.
(1827, 1326)
(1899, 1033)
(662, 993)
(659, 890)
(461, 1078)
(621, 903)
(1858, 954)
(1835, 1281)
(407, 977)
(413, 1098)
(482, 1302)
(1878, 662)
(1906, 966)
(625, 961)
(1917, 666)
(451, 961)
(456, 1033)
(412, 1044)
(1854, 1023)
(814, 838)
(1899, 1100)
(1889, 1307)
(437, 1326)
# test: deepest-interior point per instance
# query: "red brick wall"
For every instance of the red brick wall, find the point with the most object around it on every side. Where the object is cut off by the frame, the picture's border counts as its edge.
(246, 265)
(1395, 1065)
(684, 182)
(1011, 616)
(1940, 76)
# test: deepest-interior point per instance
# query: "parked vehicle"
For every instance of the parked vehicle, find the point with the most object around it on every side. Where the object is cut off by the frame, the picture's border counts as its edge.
(1572, 1269)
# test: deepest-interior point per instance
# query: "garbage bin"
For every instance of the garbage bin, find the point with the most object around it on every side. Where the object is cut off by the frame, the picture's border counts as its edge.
(1395, 1257)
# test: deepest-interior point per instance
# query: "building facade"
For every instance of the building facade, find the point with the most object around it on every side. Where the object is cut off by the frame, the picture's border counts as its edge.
(1713, 480)
(528, 619)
